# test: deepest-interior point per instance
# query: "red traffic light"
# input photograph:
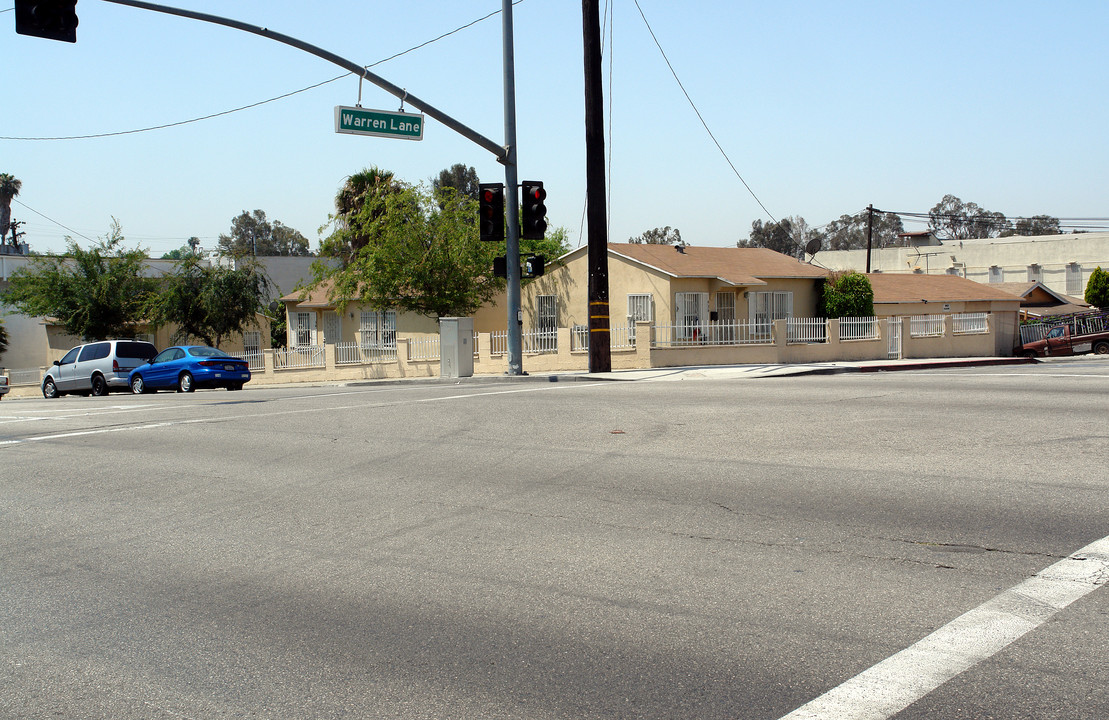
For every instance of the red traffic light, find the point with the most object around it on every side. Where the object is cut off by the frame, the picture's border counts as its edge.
(491, 212)
(533, 221)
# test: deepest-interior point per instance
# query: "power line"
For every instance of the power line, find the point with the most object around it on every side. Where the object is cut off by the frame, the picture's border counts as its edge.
(36, 212)
(260, 102)
(698, 113)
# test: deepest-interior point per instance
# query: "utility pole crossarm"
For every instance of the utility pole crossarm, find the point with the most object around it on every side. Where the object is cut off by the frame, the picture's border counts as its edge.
(499, 151)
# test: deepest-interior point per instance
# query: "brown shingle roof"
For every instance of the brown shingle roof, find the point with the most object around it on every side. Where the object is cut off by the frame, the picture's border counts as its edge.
(907, 288)
(738, 266)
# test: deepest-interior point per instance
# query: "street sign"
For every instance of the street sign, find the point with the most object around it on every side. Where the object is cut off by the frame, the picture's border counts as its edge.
(379, 123)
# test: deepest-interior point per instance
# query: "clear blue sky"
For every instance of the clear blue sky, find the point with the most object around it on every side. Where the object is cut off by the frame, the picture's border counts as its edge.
(821, 107)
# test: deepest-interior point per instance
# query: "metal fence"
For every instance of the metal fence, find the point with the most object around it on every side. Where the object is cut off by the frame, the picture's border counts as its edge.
(424, 348)
(533, 342)
(307, 356)
(621, 337)
(970, 323)
(714, 333)
(256, 360)
(806, 330)
(858, 328)
(926, 326)
(353, 353)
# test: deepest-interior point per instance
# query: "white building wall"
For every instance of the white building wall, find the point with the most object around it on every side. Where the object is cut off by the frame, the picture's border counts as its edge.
(974, 258)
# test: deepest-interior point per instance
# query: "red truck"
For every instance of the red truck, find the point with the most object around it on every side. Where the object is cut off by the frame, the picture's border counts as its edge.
(1067, 335)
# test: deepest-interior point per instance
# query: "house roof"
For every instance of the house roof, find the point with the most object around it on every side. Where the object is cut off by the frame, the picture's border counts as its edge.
(1038, 299)
(733, 265)
(316, 298)
(917, 287)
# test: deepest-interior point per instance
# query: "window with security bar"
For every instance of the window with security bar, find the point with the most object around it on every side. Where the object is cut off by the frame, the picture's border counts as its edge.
(304, 329)
(378, 329)
(547, 305)
(725, 307)
(640, 308)
(252, 342)
(764, 308)
(1035, 273)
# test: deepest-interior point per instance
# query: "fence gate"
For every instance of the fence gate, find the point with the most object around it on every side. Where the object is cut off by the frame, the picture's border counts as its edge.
(894, 334)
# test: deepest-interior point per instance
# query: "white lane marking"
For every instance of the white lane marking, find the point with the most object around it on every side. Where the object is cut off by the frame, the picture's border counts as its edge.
(227, 418)
(902, 679)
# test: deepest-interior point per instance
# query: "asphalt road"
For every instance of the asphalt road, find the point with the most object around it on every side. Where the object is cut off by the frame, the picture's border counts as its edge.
(711, 548)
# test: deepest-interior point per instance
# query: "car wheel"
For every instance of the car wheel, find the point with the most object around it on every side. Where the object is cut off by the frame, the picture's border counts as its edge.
(236, 386)
(137, 385)
(99, 386)
(185, 383)
(49, 389)
(1102, 348)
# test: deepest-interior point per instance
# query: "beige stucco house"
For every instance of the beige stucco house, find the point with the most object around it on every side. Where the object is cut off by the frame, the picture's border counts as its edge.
(669, 286)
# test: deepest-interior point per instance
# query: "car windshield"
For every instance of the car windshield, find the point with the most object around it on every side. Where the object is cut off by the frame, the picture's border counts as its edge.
(206, 352)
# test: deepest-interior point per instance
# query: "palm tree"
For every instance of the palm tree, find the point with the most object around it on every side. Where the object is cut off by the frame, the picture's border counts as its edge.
(9, 188)
(367, 187)
(358, 188)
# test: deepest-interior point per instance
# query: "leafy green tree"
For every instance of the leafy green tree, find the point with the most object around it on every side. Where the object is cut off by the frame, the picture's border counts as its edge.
(463, 179)
(209, 302)
(1097, 289)
(415, 251)
(1036, 225)
(953, 219)
(96, 294)
(847, 295)
(849, 231)
(9, 188)
(659, 236)
(253, 234)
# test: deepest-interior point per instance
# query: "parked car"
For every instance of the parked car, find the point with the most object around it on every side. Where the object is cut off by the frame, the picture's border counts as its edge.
(4, 387)
(185, 368)
(96, 368)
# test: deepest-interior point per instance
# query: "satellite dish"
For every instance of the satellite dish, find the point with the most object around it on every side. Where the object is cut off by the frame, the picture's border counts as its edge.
(813, 246)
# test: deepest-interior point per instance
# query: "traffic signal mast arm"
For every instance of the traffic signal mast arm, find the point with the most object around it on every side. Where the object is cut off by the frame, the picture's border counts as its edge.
(499, 151)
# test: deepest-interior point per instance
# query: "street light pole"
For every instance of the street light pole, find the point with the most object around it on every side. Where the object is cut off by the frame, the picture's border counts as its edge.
(512, 203)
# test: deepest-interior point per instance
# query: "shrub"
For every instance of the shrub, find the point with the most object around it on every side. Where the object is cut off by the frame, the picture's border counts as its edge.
(1097, 289)
(847, 295)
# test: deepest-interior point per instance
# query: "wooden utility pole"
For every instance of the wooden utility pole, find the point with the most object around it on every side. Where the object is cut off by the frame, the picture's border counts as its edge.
(600, 348)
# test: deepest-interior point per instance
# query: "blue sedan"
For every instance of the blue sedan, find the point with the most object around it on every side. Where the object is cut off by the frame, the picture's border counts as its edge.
(186, 367)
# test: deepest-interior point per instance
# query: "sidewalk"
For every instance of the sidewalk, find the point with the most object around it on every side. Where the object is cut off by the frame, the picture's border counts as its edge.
(830, 368)
(715, 372)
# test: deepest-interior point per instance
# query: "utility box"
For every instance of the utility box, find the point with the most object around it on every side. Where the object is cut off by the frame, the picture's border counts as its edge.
(456, 347)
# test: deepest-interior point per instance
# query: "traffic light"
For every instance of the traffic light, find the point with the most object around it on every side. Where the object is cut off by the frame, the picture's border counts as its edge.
(535, 266)
(534, 218)
(500, 266)
(50, 19)
(491, 211)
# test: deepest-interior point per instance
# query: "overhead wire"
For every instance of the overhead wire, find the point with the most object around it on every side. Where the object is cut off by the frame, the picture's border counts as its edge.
(260, 102)
(704, 123)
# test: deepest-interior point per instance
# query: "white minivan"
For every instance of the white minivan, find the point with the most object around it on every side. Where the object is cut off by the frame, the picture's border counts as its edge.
(96, 368)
